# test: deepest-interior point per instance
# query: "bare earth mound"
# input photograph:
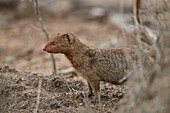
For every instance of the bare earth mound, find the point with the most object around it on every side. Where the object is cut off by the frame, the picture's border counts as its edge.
(18, 93)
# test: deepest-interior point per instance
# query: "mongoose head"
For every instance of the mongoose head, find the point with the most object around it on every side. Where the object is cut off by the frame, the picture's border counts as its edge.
(60, 43)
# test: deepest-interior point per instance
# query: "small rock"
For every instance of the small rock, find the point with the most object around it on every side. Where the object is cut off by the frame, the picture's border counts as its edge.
(11, 70)
(54, 106)
(6, 67)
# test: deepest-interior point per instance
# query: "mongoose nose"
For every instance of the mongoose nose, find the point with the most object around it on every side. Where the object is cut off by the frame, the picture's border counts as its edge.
(44, 49)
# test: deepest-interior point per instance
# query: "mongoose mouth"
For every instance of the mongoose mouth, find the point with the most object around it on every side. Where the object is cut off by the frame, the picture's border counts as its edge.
(46, 50)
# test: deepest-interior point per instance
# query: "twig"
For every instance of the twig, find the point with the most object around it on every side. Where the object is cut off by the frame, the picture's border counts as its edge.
(65, 71)
(136, 11)
(35, 5)
(100, 103)
(38, 96)
(138, 2)
(138, 39)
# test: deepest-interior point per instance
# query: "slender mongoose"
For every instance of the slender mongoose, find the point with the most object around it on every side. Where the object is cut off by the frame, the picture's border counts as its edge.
(95, 65)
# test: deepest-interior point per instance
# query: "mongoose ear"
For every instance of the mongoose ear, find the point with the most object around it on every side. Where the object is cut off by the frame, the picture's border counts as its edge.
(70, 37)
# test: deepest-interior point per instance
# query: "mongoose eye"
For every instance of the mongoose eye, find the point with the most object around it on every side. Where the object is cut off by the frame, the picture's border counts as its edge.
(54, 43)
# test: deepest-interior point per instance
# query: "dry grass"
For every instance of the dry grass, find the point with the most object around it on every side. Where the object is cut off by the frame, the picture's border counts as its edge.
(147, 89)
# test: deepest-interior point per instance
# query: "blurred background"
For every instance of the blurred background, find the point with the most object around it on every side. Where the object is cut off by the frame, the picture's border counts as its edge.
(98, 23)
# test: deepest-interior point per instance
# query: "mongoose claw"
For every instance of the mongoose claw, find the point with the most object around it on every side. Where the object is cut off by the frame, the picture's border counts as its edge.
(90, 94)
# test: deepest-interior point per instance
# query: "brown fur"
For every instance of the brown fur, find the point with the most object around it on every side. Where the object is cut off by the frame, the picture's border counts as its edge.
(95, 65)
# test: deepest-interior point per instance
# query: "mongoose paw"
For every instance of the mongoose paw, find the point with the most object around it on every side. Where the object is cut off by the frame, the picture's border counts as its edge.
(90, 94)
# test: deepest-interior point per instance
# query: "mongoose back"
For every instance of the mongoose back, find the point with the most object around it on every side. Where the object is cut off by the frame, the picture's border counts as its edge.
(95, 65)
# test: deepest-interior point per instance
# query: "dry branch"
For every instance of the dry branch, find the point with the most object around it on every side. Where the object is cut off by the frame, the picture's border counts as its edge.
(136, 5)
(65, 71)
(35, 5)
(137, 10)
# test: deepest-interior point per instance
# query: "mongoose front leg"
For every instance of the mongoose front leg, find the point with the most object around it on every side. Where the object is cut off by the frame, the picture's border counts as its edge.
(96, 87)
(90, 89)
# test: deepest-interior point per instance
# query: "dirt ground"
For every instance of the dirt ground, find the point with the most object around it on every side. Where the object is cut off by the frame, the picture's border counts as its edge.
(58, 94)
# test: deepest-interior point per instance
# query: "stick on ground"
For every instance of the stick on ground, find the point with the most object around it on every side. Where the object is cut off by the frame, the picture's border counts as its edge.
(38, 96)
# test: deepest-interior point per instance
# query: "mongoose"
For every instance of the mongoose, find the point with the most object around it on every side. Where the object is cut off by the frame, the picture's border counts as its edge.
(95, 65)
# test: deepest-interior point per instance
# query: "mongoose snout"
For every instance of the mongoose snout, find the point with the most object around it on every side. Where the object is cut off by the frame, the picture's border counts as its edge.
(44, 49)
